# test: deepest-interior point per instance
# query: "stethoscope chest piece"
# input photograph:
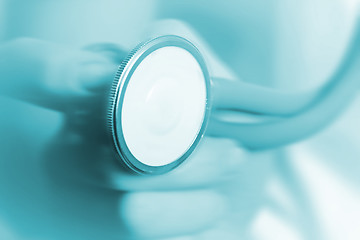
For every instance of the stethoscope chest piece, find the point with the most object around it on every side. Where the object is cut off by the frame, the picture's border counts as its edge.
(159, 105)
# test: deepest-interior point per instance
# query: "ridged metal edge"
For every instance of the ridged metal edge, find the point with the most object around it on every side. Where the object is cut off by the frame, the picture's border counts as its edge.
(116, 85)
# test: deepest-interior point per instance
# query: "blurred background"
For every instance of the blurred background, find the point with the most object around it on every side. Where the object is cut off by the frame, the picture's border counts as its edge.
(309, 190)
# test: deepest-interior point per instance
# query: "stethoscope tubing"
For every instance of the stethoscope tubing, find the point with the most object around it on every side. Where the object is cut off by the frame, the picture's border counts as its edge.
(289, 116)
(310, 114)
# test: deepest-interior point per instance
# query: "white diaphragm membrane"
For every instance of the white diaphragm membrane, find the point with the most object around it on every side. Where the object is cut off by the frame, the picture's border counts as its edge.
(164, 106)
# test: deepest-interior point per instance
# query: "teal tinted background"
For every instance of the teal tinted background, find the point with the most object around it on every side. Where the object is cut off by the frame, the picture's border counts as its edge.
(299, 192)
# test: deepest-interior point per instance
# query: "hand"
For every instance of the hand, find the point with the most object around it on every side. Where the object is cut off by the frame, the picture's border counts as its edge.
(58, 175)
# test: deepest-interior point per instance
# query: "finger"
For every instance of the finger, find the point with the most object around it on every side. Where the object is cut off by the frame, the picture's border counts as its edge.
(139, 214)
(110, 50)
(215, 160)
(52, 75)
(165, 214)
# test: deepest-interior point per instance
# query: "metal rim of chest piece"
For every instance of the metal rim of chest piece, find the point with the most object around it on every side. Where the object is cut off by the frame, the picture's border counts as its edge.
(117, 93)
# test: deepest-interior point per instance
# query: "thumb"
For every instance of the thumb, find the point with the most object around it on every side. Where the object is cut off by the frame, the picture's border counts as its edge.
(106, 57)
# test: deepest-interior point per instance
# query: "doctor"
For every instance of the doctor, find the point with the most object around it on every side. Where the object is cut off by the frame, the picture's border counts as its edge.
(51, 186)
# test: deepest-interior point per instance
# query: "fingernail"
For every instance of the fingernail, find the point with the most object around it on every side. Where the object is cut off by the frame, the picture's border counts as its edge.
(95, 76)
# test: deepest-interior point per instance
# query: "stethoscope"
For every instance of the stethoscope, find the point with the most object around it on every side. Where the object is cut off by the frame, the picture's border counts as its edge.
(163, 101)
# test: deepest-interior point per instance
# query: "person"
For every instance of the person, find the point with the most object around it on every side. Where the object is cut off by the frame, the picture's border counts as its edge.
(45, 187)
(58, 179)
